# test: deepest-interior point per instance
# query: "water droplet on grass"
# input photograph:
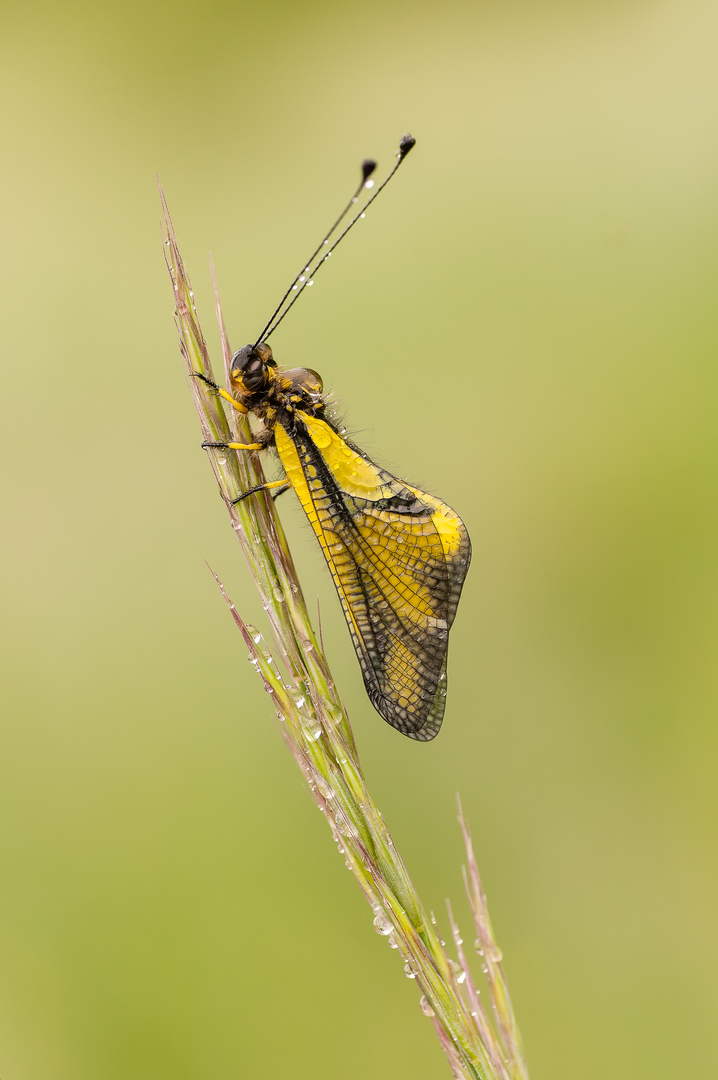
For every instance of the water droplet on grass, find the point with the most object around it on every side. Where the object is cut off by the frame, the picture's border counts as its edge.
(426, 1007)
(382, 924)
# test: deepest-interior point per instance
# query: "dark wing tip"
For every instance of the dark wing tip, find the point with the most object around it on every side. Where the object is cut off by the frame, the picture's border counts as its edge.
(423, 728)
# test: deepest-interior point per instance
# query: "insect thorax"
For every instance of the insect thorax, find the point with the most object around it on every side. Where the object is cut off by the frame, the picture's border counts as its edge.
(289, 391)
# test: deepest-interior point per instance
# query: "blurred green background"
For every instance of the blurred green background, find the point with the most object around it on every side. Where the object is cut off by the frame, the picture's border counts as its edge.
(526, 324)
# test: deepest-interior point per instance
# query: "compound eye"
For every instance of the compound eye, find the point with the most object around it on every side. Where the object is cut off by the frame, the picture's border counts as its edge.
(253, 375)
(266, 354)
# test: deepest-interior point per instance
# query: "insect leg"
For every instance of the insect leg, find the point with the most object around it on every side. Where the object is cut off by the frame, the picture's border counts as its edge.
(281, 490)
(222, 393)
(233, 446)
(284, 485)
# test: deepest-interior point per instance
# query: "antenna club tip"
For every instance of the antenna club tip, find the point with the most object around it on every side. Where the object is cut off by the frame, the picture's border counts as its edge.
(367, 168)
(408, 142)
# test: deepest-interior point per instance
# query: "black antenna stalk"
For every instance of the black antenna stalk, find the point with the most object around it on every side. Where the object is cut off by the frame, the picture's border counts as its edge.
(406, 144)
(367, 168)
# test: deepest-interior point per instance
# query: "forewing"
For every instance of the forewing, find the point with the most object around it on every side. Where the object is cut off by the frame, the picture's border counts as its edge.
(398, 557)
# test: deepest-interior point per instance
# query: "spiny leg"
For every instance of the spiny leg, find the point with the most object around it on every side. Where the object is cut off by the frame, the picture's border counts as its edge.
(233, 446)
(280, 485)
(222, 392)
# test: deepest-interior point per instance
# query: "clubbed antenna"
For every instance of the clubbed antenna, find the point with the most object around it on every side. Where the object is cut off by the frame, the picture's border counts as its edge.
(306, 276)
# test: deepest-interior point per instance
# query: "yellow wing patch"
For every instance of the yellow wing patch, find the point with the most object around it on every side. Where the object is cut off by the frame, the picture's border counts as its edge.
(398, 557)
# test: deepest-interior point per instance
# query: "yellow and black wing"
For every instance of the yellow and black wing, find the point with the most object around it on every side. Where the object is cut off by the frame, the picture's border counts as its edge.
(398, 557)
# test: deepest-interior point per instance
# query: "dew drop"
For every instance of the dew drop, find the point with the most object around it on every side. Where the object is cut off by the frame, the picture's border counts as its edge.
(278, 594)
(256, 638)
(408, 972)
(310, 283)
(334, 714)
(324, 789)
(479, 946)
(312, 730)
(457, 971)
(382, 924)
(495, 954)
(346, 828)
(369, 184)
(426, 1007)
(362, 215)
(392, 942)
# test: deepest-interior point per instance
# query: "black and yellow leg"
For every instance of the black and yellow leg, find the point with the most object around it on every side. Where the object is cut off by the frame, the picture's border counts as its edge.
(234, 446)
(222, 393)
(280, 486)
(280, 490)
